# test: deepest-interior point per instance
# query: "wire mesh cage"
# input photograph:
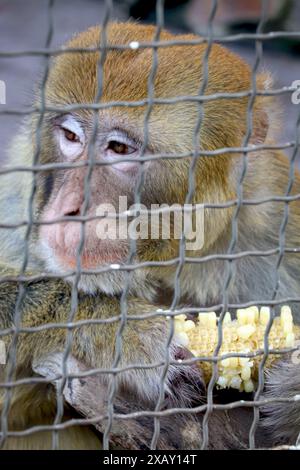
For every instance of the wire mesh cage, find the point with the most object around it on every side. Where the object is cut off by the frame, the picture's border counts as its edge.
(63, 369)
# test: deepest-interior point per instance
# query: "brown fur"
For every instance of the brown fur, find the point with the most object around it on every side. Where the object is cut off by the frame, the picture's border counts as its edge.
(73, 79)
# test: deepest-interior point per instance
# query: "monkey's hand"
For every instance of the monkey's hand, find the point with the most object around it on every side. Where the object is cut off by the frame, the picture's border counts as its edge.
(138, 349)
(86, 393)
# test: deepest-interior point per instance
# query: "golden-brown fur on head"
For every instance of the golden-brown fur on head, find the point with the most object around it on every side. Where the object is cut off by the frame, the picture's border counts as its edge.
(179, 73)
(73, 79)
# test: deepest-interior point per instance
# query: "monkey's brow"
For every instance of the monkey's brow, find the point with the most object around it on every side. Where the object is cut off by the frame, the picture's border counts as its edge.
(131, 135)
(85, 123)
(58, 119)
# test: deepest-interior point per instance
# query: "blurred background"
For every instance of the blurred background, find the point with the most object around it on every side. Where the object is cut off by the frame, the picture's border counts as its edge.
(23, 25)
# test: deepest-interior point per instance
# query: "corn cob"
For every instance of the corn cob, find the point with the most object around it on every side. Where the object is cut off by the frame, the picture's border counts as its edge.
(245, 335)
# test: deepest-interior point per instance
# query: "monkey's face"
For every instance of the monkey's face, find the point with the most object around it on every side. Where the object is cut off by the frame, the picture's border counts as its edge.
(99, 183)
(102, 162)
(81, 192)
(98, 186)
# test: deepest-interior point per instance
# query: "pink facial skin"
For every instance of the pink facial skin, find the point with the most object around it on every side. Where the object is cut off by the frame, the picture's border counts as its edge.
(63, 238)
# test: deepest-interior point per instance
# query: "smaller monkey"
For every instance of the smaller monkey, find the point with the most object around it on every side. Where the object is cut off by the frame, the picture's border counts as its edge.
(144, 342)
(48, 302)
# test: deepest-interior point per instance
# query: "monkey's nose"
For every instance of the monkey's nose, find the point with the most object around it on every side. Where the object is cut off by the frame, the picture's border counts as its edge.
(69, 204)
(73, 213)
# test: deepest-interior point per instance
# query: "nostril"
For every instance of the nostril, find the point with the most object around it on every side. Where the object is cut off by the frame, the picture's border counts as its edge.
(69, 203)
(73, 213)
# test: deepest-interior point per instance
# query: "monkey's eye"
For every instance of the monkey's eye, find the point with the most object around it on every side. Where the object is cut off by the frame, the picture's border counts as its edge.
(70, 136)
(120, 148)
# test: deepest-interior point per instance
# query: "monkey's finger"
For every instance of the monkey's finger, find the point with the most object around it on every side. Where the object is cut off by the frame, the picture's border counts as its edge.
(187, 385)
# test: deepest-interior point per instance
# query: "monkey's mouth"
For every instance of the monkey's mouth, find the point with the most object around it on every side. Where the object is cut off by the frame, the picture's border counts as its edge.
(75, 261)
(64, 248)
(88, 260)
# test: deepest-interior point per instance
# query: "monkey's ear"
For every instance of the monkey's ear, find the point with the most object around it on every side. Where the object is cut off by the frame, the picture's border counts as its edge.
(260, 128)
(263, 110)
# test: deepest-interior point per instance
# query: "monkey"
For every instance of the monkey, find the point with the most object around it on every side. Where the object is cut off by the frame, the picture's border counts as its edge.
(120, 144)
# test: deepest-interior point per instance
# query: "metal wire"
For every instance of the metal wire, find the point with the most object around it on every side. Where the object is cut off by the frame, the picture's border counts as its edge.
(87, 180)
(145, 102)
(149, 45)
(189, 197)
(10, 382)
(11, 360)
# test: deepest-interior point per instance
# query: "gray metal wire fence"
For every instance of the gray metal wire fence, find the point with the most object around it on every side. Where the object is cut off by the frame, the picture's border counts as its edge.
(175, 308)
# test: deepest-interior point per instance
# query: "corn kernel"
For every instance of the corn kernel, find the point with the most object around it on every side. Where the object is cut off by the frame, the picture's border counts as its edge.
(286, 315)
(212, 319)
(181, 317)
(243, 361)
(246, 331)
(178, 327)
(235, 382)
(265, 314)
(249, 386)
(246, 373)
(288, 327)
(227, 318)
(189, 325)
(203, 318)
(234, 362)
(226, 362)
(242, 316)
(255, 312)
(290, 340)
(250, 315)
(182, 338)
(222, 382)
(286, 311)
